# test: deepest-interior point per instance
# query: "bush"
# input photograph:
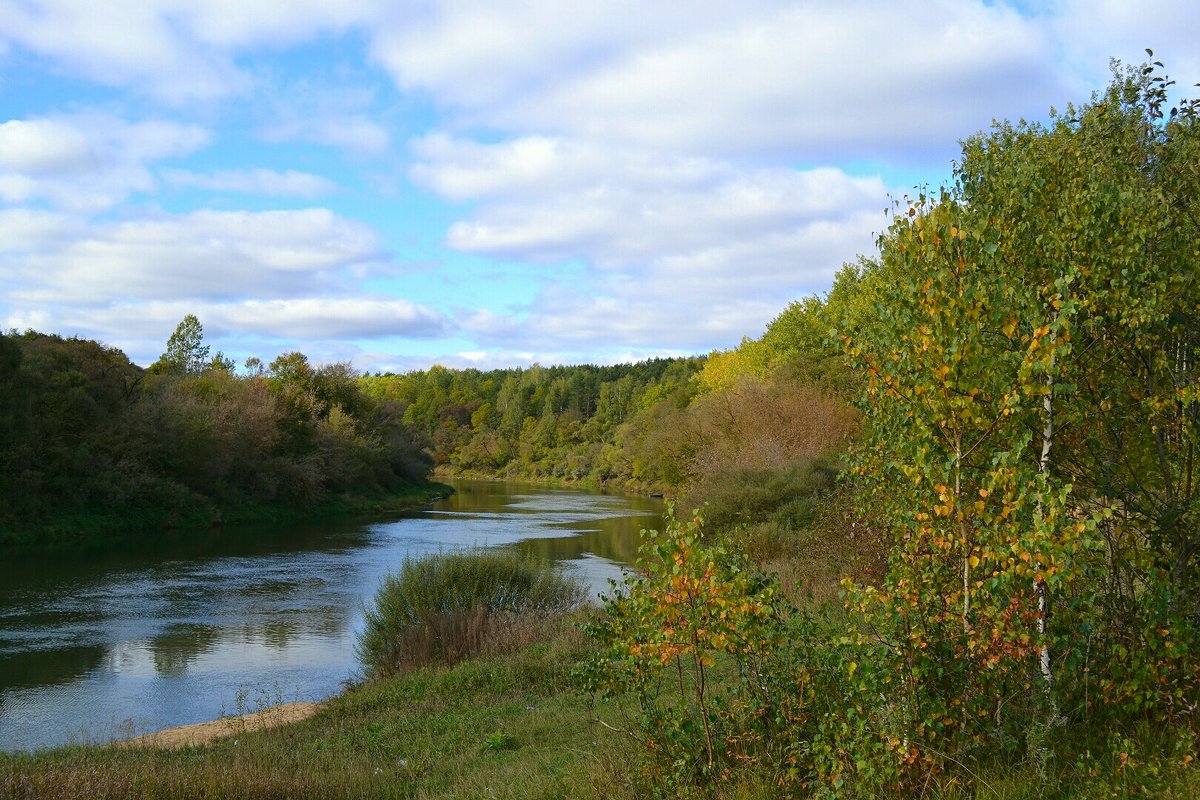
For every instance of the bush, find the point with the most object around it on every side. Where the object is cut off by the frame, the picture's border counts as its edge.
(777, 503)
(451, 606)
(699, 644)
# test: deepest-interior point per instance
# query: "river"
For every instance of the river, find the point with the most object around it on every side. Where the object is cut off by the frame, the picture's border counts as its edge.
(187, 627)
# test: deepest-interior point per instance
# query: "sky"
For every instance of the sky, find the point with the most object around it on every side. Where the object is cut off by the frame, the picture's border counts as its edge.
(492, 184)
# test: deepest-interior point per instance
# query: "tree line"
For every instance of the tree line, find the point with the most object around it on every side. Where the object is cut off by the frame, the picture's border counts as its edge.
(92, 443)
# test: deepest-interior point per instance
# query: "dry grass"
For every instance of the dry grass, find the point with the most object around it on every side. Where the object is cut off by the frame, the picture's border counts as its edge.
(448, 638)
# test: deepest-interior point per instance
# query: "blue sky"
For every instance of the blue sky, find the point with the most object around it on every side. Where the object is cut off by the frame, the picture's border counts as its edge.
(400, 184)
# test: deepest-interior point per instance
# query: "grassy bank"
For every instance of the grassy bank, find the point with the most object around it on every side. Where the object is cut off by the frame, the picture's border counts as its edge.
(501, 725)
(100, 529)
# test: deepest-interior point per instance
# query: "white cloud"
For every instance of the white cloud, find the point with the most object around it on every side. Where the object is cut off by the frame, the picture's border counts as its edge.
(684, 252)
(43, 146)
(679, 320)
(653, 219)
(178, 51)
(332, 318)
(1090, 32)
(87, 162)
(808, 81)
(206, 255)
(285, 276)
(305, 319)
(291, 183)
(122, 43)
(26, 232)
(250, 23)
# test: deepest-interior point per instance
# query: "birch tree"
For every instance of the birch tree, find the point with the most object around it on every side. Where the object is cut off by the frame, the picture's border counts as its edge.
(1032, 407)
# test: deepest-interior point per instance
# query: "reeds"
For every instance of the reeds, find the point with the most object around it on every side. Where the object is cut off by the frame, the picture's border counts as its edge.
(451, 606)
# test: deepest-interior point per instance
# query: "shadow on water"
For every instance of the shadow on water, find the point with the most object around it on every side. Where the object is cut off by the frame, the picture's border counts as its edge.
(49, 667)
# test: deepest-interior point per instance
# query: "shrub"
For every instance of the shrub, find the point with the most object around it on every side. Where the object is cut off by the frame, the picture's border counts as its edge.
(451, 606)
(787, 499)
(697, 641)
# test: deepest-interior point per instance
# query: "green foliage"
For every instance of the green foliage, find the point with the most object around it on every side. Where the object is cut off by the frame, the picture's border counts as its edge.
(780, 504)
(443, 607)
(1029, 397)
(91, 444)
(692, 640)
(186, 352)
(576, 423)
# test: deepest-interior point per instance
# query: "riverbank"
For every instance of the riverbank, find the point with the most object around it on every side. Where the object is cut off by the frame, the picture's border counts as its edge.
(102, 531)
(515, 727)
(586, 483)
(505, 726)
(202, 733)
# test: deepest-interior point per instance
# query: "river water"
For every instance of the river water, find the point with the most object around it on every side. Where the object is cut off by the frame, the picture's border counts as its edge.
(189, 627)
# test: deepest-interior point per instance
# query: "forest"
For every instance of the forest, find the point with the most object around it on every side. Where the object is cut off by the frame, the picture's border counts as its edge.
(92, 444)
(933, 529)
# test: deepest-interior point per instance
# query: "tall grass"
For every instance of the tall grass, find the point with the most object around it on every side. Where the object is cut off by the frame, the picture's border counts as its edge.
(451, 606)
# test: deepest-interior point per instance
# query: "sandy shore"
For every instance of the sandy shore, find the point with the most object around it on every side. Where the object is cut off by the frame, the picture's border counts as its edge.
(203, 732)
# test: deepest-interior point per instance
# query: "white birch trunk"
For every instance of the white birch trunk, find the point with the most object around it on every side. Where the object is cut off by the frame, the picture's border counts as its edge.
(1039, 585)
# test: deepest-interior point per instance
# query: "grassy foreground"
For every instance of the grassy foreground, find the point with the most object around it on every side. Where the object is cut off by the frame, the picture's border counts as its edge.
(504, 726)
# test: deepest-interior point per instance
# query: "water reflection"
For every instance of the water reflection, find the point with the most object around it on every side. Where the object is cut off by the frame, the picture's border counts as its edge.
(180, 645)
(50, 666)
(96, 645)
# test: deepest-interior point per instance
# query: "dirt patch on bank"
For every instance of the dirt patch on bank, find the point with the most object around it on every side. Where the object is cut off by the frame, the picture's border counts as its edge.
(204, 732)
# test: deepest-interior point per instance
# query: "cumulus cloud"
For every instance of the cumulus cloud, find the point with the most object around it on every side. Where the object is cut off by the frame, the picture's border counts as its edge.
(121, 43)
(816, 80)
(291, 183)
(551, 199)
(202, 255)
(300, 318)
(654, 147)
(25, 232)
(87, 162)
(685, 252)
(277, 275)
(43, 146)
(333, 318)
(609, 328)
(177, 52)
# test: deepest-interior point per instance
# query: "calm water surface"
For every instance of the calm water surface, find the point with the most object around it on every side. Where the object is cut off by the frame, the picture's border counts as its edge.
(103, 647)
